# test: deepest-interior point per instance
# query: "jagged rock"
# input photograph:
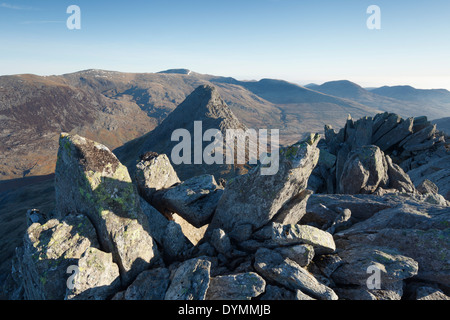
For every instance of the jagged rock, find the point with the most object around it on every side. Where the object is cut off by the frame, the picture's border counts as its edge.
(255, 199)
(299, 295)
(286, 272)
(357, 259)
(190, 281)
(91, 180)
(149, 285)
(242, 286)
(430, 293)
(328, 263)
(398, 179)
(362, 135)
(49, 250)
(341, 222)
(302, 254)
(388, 291)
(400, 132)
(364, 171)
(294, 209)
(283, 235)
(221, 242)
(195, 200)
(174, 243)
(428, 247)
(154, 173)
(157, 223)
(385, 124)
(419, 137)
(318, 215)
(98, 277)
(277, 293)
(426, 186)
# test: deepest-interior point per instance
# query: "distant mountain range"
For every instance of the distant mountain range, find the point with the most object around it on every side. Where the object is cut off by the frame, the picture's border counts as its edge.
(114, 107)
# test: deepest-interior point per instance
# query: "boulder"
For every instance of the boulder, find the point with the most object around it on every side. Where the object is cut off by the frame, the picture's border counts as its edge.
(403, 129)
(149, 285)
(190, 280)
(244, 286)
(89, 179)
(286, 272)
(49, 250)
(302, 254)
(175, 245)
(254, 199)
(398, 179)
(359, 259)
(426, 187)
(364, 171)
(98, 277)
(195, 199)
(283, 235)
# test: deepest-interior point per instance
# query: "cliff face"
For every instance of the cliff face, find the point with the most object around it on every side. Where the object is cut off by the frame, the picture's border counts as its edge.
(384, 235)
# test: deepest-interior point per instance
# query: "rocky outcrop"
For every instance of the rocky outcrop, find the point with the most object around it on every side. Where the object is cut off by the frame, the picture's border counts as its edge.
(268, 237)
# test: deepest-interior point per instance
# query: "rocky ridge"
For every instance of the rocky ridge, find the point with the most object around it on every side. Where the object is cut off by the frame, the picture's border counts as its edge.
(375, 234)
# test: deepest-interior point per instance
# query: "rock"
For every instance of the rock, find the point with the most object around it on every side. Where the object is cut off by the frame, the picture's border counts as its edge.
(328, 263)
(398, 179)
(149, 285)
(318, 215)
(154, 173)
(190, 281)
(286, 272)
(195, 200)
(363, 133)
(193, 234)
(358, 259)
(385, 124)
(389, 291)
(341, 222)
(277, 293)
(242, 286)
(175, 244)
(419, 137)
(283, 235)
(49, 250)
(91, 180)
(255, 199)
(302, 254)
(294, 210)
(428, 247)
(401, 131)
(430, 293)
(301, 296)
(426, 186)
(98, 277)
(221, 242)
(35, 216)
(364, 171)
(157, 223)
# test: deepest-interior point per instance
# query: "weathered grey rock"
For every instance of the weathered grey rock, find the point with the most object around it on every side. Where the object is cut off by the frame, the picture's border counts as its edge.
(195, 200)
(286, 272)
(400, 132)
(358, 259)
(398, 179)
(242, 286)
(430, 293)
(154, 172)
(190, 281)
(221, 242)
(426, 186)
(277, 293)
(91, 180)
(98, 277)
(294, 209)
(149, 285)
(328, 263)
(255, 199)
(388, 291)
(364, 171)
(386, 124)
(358, 293)
(283, 235)
(419, 137)
(302, 254)
(49, 250)
(342, 156)
(363, 133)
(299, 295)
(428, 247)
(157, 223)
(341, 222)
(175, 244)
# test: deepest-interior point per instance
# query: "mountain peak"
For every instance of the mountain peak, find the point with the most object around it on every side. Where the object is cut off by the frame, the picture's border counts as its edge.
(177, 71)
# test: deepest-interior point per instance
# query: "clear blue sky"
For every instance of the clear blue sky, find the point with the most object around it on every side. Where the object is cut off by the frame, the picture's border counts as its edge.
(295, 40)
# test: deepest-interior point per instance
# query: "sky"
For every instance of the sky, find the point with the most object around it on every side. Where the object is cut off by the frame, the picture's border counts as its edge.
(295, 40)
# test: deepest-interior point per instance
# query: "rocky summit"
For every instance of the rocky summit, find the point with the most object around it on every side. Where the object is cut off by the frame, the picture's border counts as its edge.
(359, 214)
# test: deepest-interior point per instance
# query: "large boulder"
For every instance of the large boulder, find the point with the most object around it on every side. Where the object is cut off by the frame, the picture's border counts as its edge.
(364, 171)
(255, 199)
(91, 180)
(286, 272)
(243, 286)
(48, 252)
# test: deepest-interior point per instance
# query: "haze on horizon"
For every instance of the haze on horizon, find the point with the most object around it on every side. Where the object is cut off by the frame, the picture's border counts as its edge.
(298, 41)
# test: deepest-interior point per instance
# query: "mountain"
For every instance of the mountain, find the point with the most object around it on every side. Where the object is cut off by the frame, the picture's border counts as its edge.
(205, 105)
(435, 102)
(100, 104)
(404, 101)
